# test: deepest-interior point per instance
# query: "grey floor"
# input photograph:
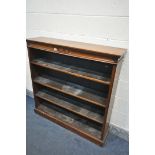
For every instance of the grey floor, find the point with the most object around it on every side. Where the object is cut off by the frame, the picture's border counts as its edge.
(47, 138)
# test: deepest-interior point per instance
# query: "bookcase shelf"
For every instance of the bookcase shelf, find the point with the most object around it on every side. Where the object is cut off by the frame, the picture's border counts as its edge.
(72, 70)
(71, 107)
(72, 90)
(74, 84)
(77, 127)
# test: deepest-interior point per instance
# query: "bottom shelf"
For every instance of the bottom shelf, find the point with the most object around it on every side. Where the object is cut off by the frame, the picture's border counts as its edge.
(75, 125)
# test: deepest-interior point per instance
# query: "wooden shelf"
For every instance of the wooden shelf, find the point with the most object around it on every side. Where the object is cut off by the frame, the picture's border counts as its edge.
(72, 70)
(72, 120)
(71, 107)
(75, 128)
(40, 41)
(72, 90)
(76, 54)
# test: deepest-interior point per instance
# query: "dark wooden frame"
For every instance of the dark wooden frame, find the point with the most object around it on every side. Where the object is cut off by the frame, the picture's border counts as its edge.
(109, 55)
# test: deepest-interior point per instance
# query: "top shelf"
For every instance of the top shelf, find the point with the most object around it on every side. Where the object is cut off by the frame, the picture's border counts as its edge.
(76, 54)
(73, 70)
(79, 45)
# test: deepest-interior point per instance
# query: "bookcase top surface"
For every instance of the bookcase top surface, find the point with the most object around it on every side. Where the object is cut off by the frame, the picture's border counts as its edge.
(80, 45)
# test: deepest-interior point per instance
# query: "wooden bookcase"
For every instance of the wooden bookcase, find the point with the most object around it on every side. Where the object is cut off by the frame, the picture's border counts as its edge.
(74, 84)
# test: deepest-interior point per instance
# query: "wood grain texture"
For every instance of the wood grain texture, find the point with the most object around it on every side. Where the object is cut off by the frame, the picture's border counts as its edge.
(75, 108)
(75, 71)
(72, 90)
(72, 95)
(82, 46)
(77, 53)
(70, 127)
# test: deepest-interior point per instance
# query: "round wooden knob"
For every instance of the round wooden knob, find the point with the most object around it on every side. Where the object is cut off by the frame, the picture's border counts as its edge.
(55, 49)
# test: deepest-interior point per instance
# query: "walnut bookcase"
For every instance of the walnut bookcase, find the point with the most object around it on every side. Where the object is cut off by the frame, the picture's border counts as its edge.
(74, 84)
